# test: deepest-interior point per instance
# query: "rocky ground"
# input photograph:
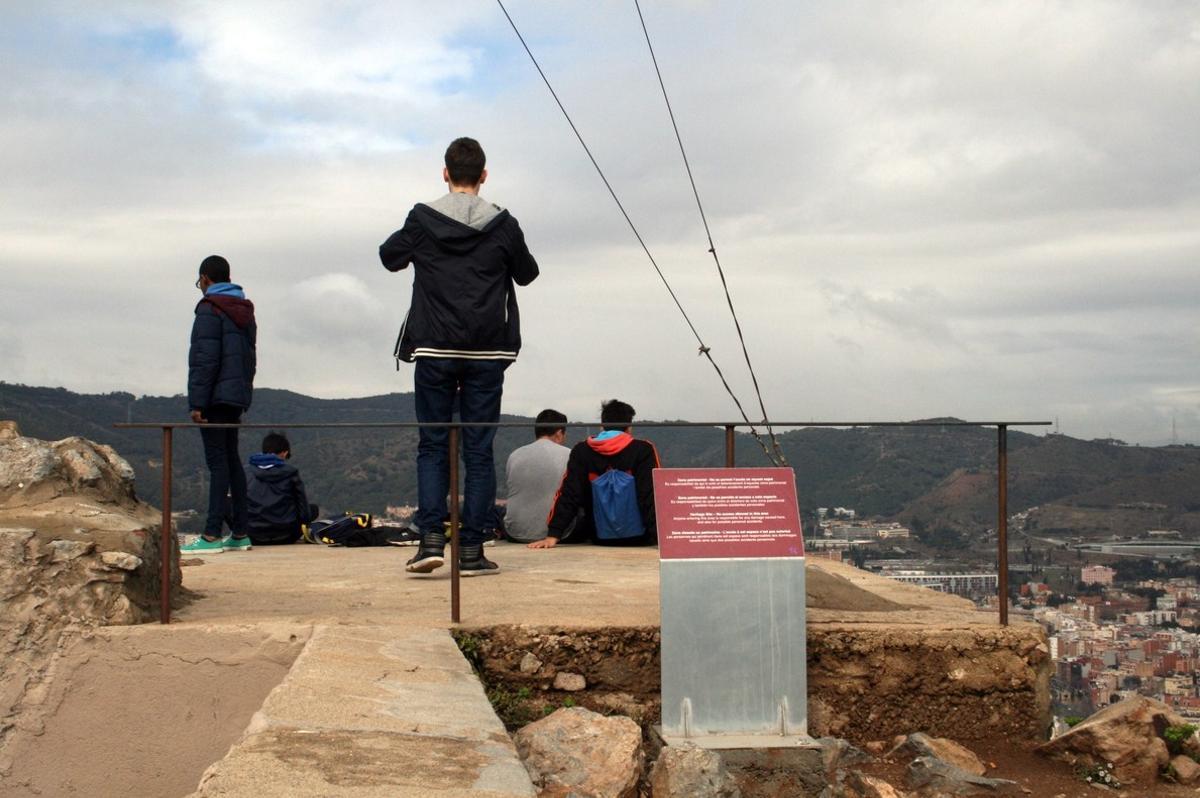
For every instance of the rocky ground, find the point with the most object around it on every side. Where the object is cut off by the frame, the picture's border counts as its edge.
(77, 551)
(574, 751)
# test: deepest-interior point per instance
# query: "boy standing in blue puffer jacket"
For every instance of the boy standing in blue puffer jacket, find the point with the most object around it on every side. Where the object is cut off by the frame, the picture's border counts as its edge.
(221, 366)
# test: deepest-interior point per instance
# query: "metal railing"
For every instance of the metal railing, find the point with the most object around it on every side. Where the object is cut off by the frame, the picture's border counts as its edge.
(168, 429)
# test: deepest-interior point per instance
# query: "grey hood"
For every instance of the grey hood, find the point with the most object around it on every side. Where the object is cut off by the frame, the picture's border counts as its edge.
(469, 209)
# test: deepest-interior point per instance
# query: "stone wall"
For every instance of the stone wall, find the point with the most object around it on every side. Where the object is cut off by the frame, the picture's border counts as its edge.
(873, 683)
(866, 682)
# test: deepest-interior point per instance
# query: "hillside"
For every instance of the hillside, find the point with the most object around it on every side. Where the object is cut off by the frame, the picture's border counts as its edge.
(937, 475)
(1084, 488)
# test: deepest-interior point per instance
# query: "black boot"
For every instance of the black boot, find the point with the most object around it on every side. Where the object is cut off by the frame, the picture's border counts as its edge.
(431, 554)
(471, 561)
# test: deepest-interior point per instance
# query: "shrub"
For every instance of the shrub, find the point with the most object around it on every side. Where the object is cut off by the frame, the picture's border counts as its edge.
(1176, 736)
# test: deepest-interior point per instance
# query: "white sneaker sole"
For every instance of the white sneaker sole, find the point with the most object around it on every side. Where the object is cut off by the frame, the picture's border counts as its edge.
(426, 565)
(488, 572)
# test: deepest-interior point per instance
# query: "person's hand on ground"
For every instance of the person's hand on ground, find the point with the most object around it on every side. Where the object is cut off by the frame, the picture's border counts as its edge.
(545, 543)
(197, 417)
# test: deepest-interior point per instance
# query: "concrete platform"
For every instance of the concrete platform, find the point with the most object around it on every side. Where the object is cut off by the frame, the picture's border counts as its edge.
(381, 702)
(565, 586)
(373, 711)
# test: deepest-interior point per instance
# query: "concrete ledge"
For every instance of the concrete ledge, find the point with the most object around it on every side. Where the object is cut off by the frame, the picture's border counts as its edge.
(373, 711)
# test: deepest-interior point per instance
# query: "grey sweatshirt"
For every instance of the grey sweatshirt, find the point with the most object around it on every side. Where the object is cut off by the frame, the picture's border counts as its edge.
(534, 473)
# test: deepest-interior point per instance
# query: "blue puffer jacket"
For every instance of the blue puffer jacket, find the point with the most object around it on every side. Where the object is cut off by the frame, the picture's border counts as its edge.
(222, 360)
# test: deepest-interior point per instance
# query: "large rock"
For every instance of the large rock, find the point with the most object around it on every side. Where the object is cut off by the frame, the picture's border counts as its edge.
(76, 545)
(1185, 769)
(579, 753)
(33, 471)
(933, 777)
(1127, 735)
(948, 751)
(860, 785)
(690, 772)
(77, 550)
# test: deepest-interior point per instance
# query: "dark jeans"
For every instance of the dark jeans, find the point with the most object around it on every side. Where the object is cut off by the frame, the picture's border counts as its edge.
(273, 535)
(477, 386)
(225, 474)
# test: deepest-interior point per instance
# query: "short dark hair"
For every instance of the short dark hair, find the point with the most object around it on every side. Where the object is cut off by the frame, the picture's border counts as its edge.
(549, 421)
(615, 414)
(275, 443)
(215, 268)
(465, 161)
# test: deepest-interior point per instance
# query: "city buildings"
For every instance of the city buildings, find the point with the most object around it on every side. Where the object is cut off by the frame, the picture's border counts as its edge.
(1097, 575)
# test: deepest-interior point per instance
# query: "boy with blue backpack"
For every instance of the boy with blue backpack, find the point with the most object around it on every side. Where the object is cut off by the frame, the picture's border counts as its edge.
(609, 477)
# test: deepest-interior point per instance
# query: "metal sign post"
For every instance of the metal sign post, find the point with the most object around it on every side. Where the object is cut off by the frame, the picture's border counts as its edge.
(733, 616)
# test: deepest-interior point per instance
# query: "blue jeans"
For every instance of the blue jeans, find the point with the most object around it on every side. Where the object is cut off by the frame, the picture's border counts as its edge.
(226, 479)
(477, 386)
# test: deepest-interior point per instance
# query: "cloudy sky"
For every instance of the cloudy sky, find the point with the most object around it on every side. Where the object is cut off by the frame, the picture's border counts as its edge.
(924, 208)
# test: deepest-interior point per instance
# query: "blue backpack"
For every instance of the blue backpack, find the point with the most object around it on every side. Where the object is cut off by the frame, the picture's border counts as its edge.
(615, 506)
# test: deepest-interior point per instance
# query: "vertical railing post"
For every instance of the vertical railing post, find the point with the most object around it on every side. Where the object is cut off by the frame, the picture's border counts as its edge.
(165, 547)
(455, 608)
(1002, 518)
(730, 442)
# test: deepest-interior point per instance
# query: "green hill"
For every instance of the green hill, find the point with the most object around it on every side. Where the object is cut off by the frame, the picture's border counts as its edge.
(942, 475)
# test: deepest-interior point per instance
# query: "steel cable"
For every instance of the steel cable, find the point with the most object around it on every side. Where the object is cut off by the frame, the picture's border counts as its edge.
(704, 350)
(712, 248)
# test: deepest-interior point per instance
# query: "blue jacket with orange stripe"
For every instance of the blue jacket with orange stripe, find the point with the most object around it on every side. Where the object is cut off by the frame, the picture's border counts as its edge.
(589, 460)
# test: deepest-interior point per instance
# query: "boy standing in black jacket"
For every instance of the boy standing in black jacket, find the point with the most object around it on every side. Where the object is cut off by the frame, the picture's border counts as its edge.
(462, 330)
(276, 500)
(613, 450)
(221, 366)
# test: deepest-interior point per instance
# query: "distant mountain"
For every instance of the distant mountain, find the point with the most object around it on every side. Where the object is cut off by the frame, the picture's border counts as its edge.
(939, 475)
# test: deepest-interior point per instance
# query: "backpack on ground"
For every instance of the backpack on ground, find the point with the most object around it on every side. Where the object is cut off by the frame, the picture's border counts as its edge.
(615, 506)
(350, 530)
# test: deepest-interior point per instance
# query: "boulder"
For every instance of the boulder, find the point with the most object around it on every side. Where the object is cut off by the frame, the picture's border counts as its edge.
(1185, 769)
(1127, 734)
(577, 752)
(950, 752)
(933, 777)
(33, 471)
(837, 753)
(529, 663)
(690, 772)
(860, 785)
(76, 545)
(569, 682)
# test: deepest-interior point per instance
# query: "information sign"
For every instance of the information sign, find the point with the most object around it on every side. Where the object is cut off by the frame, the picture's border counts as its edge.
(719, 513)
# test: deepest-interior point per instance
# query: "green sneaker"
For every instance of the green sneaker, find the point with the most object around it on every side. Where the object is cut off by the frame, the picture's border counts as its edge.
(202, 546)
(237, 544)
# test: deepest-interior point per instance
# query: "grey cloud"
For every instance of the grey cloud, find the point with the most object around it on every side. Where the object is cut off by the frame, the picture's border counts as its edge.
(927, 208)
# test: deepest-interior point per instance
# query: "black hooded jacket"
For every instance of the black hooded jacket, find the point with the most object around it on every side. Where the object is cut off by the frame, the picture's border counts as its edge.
(589, 459)
(275, 496)
(463, 301)
(222, 358)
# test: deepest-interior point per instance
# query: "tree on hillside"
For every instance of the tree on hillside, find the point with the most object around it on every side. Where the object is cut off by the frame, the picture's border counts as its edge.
(943, 537)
